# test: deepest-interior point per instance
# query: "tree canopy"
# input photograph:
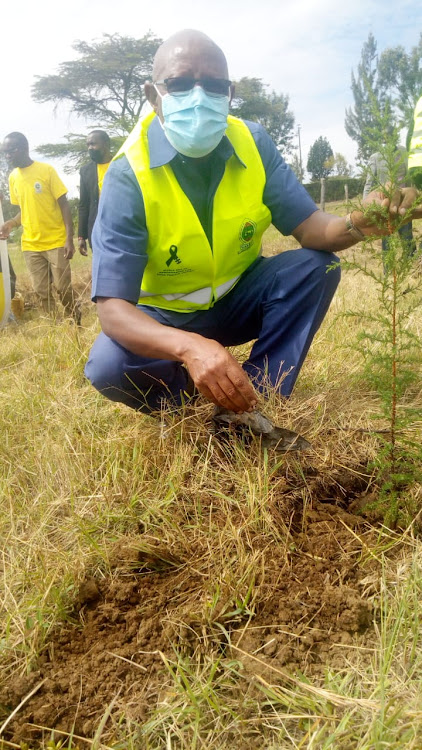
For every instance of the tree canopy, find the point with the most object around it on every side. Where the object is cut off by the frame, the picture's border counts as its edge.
(369, 96)
(252, 102)
(318, 164)
(385, 91)
(401, 75)
(74, 150)
(104, 85)
(296, 165)
(339, 165)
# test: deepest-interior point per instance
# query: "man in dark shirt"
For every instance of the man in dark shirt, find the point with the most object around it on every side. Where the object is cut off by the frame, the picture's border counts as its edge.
(91, 180)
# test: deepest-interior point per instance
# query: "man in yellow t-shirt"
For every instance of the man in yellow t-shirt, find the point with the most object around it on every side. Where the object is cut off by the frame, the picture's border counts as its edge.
(91, 183)
(47, 239)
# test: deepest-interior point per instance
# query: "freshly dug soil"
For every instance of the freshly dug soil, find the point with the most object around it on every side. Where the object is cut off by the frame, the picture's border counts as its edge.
(309, 610)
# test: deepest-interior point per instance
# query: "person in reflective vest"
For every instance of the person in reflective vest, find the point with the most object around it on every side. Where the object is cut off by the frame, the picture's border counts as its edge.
(178, 271)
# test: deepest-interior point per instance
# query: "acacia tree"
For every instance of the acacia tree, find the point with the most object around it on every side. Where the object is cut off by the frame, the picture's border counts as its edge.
(318, 164)
(271, 110)
(105, 86)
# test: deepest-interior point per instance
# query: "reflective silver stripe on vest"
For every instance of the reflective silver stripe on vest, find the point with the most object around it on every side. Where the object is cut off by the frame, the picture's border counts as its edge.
(199, 296)
(224, 288)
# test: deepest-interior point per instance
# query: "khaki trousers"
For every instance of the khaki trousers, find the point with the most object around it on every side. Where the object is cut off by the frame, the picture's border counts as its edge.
(47, 267)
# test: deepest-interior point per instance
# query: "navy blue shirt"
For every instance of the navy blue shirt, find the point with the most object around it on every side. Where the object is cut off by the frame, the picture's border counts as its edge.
(120, 235)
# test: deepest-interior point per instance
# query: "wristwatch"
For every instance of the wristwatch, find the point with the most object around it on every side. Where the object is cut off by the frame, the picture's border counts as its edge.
(353, 230)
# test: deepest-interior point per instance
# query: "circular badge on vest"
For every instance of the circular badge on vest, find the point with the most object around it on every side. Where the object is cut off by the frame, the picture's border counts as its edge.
(37, 187)
(246, 234)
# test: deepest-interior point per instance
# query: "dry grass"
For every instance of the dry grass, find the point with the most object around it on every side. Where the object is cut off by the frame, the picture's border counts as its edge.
(80, 475)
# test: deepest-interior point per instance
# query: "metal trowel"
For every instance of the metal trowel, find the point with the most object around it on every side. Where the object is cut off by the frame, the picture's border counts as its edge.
(254, 423)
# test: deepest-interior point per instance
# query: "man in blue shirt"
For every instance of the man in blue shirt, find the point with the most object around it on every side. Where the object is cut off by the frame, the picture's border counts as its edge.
(151, 352)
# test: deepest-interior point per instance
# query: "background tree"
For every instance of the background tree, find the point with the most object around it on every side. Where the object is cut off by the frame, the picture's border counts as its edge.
(4, 183)
(369, 94)
(105, 86)
(318, 159)
(296, 165)
(73, 149)
(386, 88)
(339, 165)
(8, 209)
(401, 74)
(252, 102)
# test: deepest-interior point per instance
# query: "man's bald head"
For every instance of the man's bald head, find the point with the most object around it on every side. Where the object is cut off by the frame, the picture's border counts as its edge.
(187, 53)
(186, 45)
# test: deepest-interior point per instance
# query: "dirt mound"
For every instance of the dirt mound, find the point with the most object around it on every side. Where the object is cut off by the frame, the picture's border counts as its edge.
(307, 608)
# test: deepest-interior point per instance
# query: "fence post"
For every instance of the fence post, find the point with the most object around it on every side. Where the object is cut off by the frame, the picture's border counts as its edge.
(346, 194)
(322, 198)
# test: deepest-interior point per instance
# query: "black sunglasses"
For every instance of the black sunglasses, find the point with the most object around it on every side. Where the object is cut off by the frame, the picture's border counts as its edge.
(185, 83)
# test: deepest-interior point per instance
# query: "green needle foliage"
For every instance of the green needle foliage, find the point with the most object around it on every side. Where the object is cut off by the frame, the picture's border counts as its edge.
(389, 342)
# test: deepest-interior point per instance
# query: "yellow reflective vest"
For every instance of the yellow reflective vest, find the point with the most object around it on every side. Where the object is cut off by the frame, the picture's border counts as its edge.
(184, 272)
(415, 149)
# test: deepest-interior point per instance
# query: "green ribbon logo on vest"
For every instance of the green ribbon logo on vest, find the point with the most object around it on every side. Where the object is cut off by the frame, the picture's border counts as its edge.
(173, 255)
(246, 234)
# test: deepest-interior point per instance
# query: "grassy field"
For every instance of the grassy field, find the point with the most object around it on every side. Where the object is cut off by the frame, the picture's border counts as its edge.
(160, 589)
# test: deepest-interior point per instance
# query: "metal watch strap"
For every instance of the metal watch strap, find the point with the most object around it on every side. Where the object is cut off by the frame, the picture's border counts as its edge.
(354, 231)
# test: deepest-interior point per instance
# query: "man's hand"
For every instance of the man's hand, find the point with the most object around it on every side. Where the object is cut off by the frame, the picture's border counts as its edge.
(382, 212)
(402, 201)
(6, 228)
(82, 246)
(69, 248)
(214, 371)
(219, 377)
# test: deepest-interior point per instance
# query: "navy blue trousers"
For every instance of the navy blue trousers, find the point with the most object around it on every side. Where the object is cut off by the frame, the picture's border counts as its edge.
(279, 302)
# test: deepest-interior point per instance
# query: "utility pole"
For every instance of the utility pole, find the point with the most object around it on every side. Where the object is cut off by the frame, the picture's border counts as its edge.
(300, 153)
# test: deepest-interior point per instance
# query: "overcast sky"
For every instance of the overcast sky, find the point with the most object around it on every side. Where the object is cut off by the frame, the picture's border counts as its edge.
(302, 48)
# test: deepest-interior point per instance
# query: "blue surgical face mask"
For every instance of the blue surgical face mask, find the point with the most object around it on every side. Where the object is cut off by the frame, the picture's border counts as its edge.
(194, 121)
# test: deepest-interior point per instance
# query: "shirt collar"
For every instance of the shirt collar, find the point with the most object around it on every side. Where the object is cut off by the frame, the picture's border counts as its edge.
(161, 151)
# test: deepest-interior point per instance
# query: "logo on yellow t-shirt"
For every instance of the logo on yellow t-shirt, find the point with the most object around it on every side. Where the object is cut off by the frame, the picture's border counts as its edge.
(37, 187)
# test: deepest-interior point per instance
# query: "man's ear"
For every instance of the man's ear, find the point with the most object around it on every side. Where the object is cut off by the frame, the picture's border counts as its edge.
(151, 94)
